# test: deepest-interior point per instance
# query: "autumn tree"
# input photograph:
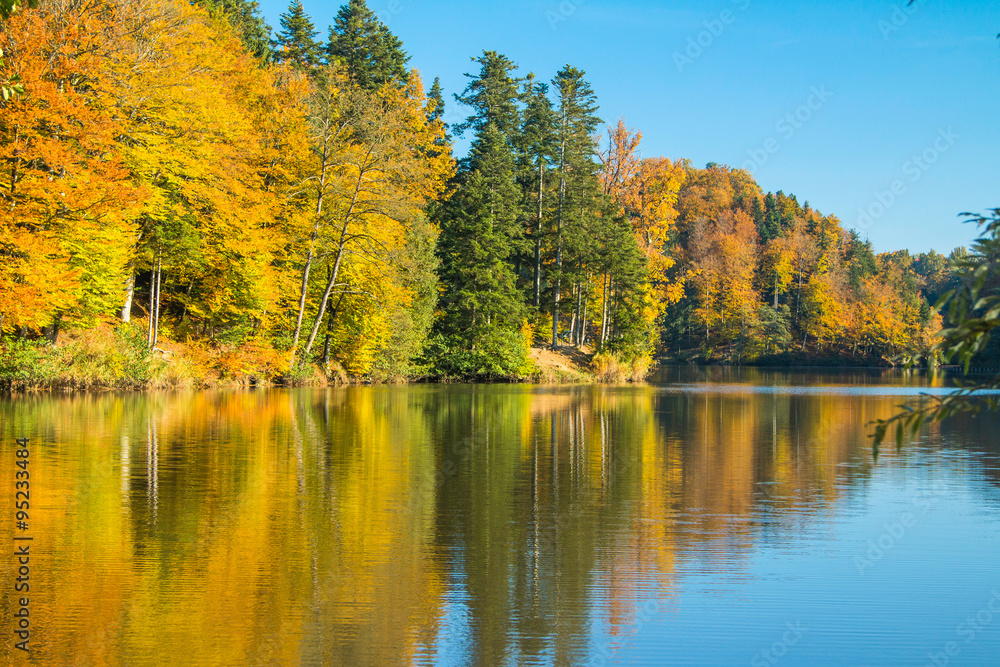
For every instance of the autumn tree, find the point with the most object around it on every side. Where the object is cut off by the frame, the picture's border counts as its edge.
(646, 191)
(67, 194)
(200, 139)
(367, 180)
(249, 24)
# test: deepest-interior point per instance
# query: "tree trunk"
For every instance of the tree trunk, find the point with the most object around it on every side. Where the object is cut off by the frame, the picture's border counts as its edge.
(612, 303)
(555, 297)
(329, 330)
(152, 300)
(129, 293)
(341, 245)
(578, 319)
(156, 319)
(538, 237)
(331, 319)
(604, 312)
(312, 248)
(54, 332)
(559, 221)
(572, 325)
(187, 295)
(15, 161)
(798, 297)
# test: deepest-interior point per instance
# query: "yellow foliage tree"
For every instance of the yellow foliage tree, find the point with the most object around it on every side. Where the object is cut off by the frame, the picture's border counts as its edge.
(376, 162)
(206, 134)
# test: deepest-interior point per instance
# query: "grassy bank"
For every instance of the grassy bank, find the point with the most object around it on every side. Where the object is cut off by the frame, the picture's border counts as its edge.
(115, 356)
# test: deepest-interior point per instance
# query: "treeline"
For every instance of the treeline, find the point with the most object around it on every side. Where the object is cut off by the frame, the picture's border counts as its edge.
(158, 168)
(285, 204)
(768, 277)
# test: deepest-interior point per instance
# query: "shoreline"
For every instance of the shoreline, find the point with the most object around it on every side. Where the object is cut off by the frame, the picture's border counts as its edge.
(105, 359)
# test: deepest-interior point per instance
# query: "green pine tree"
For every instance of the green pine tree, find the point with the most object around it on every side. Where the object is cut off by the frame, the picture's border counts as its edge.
(296, 40)
(618, 260)
(482, 309)
(536, 151)
(371, 54)
(579, 198)
(435, 113)
(435, 101)
(246, 19)
(493, 96)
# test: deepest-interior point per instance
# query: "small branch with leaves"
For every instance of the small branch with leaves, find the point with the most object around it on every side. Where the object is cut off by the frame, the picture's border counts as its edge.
(973, 311)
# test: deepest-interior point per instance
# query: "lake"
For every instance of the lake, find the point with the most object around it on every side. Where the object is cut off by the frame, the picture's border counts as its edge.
(711, 516)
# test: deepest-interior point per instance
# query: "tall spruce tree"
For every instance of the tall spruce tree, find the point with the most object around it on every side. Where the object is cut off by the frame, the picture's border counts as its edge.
(481, 305)
(370, 53)
(435, 101)
(435, 114)
(296, 40)
(536, 149)
(579, 189)
(493, 96)
(616, 258)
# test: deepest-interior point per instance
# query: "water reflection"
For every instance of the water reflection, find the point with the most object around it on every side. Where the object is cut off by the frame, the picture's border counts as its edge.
(455, 524)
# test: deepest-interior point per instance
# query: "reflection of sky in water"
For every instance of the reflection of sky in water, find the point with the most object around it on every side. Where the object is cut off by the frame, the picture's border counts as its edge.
(713, 388)
(838, 598)
(888, 572)
(822, 595)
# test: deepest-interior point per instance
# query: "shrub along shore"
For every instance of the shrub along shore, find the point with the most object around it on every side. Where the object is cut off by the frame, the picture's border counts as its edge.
(116, 357)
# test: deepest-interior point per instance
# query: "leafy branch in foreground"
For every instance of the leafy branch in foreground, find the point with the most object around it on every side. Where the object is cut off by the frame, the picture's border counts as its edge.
(973, 312)
(8, 7)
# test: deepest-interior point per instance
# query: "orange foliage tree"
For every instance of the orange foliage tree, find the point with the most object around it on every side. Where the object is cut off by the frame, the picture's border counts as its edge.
(67, 196)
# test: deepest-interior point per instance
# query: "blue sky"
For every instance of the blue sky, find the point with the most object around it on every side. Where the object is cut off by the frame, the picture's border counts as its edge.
(881, 114)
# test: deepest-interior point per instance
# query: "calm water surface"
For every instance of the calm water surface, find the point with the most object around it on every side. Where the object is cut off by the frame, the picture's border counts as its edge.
(721, 517)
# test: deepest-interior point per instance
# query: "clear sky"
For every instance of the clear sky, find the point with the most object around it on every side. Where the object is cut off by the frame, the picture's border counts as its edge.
(881, 114)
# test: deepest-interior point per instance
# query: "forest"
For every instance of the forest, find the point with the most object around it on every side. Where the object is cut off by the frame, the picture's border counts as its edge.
(190, 196)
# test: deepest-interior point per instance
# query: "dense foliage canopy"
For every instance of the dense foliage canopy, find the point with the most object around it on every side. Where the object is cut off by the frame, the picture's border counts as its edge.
(172, 164)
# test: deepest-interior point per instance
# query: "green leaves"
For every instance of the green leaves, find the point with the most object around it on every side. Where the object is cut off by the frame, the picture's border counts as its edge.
(974, 313)
(246, 19)
(8, 7)
(11, 86)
